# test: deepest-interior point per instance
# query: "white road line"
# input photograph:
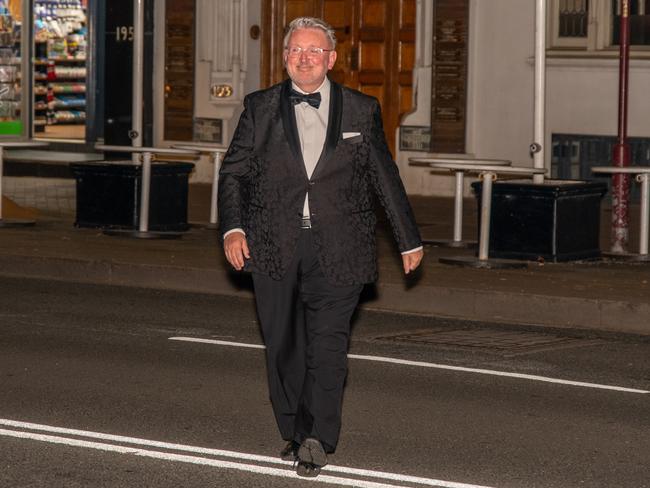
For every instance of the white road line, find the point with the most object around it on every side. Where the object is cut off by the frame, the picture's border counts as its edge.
(219, 343)
(421, 364)
(253, 468)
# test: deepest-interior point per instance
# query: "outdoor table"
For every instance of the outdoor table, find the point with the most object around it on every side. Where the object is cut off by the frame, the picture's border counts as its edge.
(487, 173)
(642, 176)
(143, 231)
(459, 174)
(217, 155)
(13, 144)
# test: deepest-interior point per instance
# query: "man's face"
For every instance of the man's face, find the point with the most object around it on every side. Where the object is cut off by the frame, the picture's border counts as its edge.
(309, 70)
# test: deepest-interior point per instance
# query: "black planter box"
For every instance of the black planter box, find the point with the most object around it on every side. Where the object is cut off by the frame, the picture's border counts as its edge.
(108, 195)
(558, 220)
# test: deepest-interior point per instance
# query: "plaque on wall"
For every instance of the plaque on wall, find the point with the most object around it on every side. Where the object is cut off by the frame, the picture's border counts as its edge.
(414, 138)
(449, 76)
(179, 70)
(208, 130)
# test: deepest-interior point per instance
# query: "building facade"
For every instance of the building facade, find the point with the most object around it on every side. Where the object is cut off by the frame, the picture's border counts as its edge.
(453, 76)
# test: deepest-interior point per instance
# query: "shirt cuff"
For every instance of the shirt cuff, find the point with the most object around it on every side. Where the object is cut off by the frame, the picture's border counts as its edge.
(232, 231)
(413, 250)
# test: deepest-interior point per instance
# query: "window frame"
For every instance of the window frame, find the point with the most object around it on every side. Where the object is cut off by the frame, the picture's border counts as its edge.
(599, 32)
(553, 23)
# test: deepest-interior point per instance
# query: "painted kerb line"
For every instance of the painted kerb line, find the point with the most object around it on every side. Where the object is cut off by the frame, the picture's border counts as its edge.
(421, 364)
(253, 468)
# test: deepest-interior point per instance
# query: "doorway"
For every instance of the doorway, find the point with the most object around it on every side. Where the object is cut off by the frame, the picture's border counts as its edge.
(375, 48)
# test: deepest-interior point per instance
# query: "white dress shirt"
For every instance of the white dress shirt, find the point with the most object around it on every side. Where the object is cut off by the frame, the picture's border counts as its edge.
(312, 130)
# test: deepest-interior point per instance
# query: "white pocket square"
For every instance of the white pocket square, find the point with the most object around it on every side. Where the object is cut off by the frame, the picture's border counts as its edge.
(347, 135)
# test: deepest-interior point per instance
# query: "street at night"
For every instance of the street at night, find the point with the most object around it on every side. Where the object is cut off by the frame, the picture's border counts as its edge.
(373, 244)
(122, 387)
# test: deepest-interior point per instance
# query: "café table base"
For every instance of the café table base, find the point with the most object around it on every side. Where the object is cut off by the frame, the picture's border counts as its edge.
(451, 243)
(11, 223)
(139, 234)
(216, 155)
(472, 262)
(624, 256)
(201, 225)
(143, 231)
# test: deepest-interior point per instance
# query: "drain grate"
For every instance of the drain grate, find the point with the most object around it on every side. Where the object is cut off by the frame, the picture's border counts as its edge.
(509, 343)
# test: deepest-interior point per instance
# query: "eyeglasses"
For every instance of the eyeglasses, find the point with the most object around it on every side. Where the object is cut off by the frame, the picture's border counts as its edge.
(312, 52)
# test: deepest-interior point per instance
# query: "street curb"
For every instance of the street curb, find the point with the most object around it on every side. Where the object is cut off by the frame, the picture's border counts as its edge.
(460, 303)
(516, 308)
(109, 272)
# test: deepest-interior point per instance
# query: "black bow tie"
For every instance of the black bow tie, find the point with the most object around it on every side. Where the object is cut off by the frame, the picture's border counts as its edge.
(312, 99)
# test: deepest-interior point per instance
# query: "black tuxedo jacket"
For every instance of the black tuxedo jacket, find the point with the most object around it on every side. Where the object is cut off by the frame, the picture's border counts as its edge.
(263, 182)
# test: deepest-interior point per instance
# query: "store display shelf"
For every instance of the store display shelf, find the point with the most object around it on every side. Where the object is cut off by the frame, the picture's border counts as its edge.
(58, 3)
(67, 104)
(64, 78)
(68, 88)
(50, 61)
(60, 29)
(67, 60)
(67, 122)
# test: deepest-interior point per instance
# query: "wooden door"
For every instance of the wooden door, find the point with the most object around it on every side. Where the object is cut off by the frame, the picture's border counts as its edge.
(376, 48)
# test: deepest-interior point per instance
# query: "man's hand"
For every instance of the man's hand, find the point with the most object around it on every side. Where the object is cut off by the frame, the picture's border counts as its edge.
(412, 260)
(236, 249)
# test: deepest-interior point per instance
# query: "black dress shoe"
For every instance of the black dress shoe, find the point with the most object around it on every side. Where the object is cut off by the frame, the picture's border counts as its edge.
(311, 458)
(290, 451)
(307, 470)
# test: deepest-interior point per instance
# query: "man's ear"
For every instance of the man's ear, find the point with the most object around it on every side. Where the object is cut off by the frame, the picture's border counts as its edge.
(332, 59)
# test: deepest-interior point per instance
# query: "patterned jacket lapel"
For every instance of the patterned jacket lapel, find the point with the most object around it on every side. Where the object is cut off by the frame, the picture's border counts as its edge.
(333, 126)
(289, 124)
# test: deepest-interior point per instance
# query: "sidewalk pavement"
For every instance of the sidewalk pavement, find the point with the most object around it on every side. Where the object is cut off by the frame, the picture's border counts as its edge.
(598, 295)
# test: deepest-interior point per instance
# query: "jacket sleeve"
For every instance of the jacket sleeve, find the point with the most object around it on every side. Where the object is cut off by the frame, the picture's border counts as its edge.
(388, 186)
(234, 172)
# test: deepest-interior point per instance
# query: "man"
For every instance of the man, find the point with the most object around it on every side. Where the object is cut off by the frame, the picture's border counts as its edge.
(296, 209)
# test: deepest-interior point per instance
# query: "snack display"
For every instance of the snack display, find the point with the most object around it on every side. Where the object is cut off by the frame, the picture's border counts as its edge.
(9, 70)
(58, 61)
(60, 36)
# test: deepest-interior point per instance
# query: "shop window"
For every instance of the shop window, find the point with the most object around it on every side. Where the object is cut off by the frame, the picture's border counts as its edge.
(60, 48)
(10, 103)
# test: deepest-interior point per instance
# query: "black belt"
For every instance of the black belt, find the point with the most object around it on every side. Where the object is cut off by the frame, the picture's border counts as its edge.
(306, 223)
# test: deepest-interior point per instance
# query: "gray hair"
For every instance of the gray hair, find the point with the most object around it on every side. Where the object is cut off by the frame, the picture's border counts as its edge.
(310, 23)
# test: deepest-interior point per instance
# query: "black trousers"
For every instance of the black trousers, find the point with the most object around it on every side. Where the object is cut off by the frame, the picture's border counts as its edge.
(306, 328)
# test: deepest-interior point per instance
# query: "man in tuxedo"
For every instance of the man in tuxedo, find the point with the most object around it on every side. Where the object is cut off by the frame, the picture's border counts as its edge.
(296, 210)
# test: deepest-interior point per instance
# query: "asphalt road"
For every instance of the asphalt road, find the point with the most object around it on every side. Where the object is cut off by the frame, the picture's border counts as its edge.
(104, 387)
